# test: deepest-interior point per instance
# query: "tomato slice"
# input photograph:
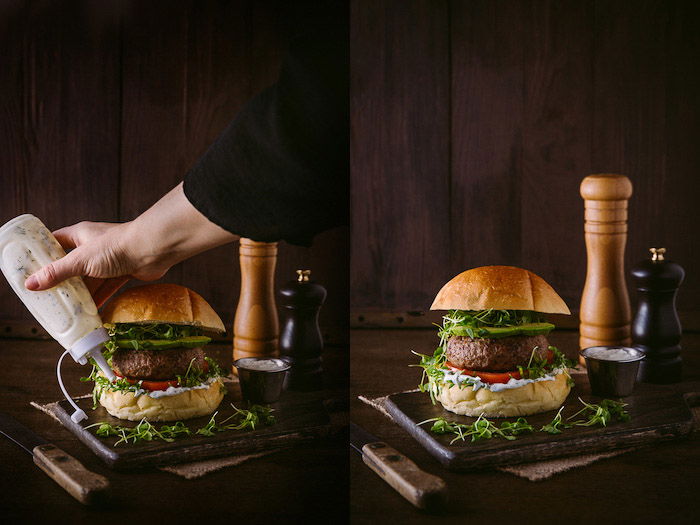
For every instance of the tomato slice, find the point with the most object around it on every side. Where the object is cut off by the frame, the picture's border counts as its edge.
(495, 377)
(488, 377)
(151, 386)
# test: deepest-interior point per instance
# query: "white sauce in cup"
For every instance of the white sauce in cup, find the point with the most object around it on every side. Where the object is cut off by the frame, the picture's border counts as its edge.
(612, 353)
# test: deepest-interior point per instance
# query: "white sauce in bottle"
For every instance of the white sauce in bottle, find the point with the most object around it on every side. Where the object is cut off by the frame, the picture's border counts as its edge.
(67, 311)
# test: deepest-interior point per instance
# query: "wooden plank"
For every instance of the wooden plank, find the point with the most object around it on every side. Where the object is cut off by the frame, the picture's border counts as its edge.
(486, 150)
(154, 150)
(657, 414)
(61, 113)
(14, 143)
(676, 197)
(630, 125)
(558, 104)
(399, 151)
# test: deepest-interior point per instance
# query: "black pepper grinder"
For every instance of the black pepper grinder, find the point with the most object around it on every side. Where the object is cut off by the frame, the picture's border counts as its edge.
(656, 330)
(300, 340)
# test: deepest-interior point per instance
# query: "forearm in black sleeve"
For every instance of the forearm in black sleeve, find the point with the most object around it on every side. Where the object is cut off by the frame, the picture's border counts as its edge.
(280, 170)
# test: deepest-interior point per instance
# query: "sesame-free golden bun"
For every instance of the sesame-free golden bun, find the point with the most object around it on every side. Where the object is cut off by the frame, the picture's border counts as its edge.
(499, 288)
(185, 405)
(162, 303)
(531, 398)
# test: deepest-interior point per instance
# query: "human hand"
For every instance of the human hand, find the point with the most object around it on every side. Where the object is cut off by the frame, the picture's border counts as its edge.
(100, 253)
(109, 254)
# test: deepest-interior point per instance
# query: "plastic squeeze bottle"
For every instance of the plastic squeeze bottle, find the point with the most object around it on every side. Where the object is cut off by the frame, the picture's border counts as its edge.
(66, 311)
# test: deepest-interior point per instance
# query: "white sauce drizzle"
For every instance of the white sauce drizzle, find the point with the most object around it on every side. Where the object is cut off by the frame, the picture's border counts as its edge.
(173, 390)
(457, 378)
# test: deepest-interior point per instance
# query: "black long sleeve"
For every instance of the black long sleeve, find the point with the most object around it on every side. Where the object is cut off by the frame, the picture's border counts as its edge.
(280, 170)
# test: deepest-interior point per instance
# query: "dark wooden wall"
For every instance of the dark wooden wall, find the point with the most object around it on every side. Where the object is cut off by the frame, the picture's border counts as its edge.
(105, 105)
(473, 123)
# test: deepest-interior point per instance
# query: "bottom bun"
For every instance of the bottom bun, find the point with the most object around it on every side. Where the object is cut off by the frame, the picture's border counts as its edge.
(532, 398)
(186, 405)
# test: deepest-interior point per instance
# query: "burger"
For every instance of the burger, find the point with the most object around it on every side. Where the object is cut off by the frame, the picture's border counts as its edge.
(494, 358)
(156, 351)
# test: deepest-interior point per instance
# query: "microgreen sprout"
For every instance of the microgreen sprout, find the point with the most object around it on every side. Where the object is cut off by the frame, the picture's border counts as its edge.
(600, 414)
(145, 431)
(556, 425)
(594, 414)
(482, 428)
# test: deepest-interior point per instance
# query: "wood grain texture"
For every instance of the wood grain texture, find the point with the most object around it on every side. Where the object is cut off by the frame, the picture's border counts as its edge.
(399, 150)
(486, 135)
(423, 490)
(542, 94)
(105, 106)
(630, 122)
(84, 485)
(556, 141)
(60, 96)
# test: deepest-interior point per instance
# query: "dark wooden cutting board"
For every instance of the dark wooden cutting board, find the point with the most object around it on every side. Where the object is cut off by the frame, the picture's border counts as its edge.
(299, 418)
(657, 413)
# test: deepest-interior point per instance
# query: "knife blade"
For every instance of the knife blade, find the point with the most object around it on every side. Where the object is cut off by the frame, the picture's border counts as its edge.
(423, 490)
(84, 485)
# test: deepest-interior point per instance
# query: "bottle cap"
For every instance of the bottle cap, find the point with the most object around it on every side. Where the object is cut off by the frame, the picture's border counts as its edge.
(90, 345)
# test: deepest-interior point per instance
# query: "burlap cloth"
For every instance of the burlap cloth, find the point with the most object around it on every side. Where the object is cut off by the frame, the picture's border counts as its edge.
(541, 469)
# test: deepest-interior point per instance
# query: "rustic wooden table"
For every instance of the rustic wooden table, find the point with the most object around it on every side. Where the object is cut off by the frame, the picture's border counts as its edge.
(652, 484)
(295, 485)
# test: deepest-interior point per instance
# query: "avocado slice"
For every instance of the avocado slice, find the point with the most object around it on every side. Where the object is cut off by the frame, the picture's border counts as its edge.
(495, 332)
(162, 344)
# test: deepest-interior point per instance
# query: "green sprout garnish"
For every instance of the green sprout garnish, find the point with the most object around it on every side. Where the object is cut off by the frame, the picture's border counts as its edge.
(145, 431)
(556, 425)
(608, 410)
(482, 428)
(239, 420)
(595, 414)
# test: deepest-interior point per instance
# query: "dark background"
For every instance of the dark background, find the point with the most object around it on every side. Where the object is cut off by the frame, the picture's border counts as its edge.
(105, 105)
(474, 122)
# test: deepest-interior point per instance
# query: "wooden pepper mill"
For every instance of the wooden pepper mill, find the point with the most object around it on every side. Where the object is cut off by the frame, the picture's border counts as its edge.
(301, 341)
(605, 305)
(656, 330)
(255, 327)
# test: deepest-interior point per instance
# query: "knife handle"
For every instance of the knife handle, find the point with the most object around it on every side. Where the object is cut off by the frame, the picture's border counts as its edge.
(81, 483)
(424, 490)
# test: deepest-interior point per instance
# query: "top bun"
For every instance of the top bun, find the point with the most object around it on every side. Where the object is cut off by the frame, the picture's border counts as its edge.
(162, 303)
(499, 288)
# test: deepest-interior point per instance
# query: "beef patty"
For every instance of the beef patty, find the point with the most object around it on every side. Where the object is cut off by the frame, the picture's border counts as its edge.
(156, 364)
(504, 354)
